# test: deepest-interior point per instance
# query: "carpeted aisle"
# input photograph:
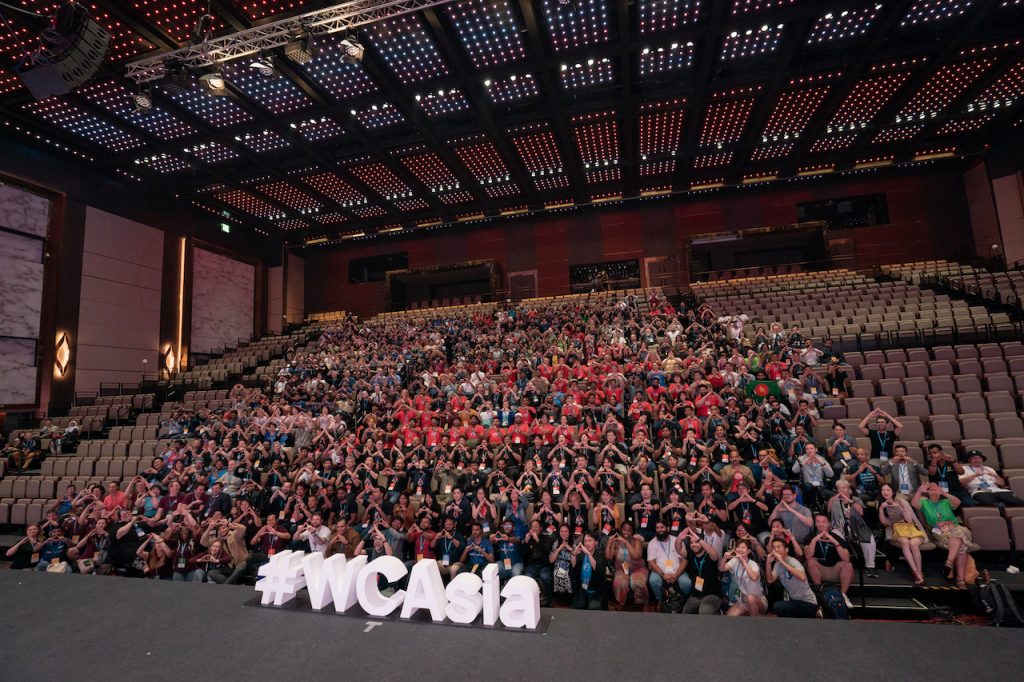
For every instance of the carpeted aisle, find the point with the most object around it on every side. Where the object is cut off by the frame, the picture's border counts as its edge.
(59, 627)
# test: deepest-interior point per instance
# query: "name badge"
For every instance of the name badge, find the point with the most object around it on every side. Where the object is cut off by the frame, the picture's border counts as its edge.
(507, 563)
(448, 489)
(944, 486)
(669, 564)
(904, 488)
(419, 557)
(181, 562)
(446, 560)
(698, 584)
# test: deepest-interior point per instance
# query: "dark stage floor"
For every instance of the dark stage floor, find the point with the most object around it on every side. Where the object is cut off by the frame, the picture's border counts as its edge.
(60, 627)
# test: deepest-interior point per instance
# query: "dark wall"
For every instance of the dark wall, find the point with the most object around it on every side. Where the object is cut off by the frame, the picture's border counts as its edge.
(928, 214)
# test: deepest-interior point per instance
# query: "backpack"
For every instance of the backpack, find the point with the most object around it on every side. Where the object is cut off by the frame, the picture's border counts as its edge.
(996, 601)
(673, 600)
(833, 605)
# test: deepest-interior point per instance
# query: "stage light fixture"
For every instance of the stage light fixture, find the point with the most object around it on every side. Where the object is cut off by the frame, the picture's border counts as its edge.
(264, 66)
(300, 49)
(214, 84)
(351, 51)
(143, 101)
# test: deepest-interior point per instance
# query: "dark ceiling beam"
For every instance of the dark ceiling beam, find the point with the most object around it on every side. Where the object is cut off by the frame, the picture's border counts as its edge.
(706, 59)
(793, 40)
(865, 53)
(472, 85)
(551, 89)
(961, 31)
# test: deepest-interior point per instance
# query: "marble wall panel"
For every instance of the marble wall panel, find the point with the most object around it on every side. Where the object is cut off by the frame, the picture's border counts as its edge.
(223, 291)
(23, 211)
(17, 371)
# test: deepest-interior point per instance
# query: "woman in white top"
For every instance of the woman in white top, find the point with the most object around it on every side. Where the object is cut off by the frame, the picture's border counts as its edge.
(746, 580)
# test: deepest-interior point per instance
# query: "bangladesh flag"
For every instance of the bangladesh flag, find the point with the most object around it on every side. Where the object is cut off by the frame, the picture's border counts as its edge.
(761, 390)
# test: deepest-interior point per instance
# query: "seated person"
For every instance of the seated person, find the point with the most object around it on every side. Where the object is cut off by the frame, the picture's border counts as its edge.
(588, 574)
(938, 508)
(814, 473)
(795, 517)
(800, 601)
(667, 566)
(903, 529)
(866, 478)
(904, 474)
(746, 596)
(828, 557)
(702, 568)
(985, 485)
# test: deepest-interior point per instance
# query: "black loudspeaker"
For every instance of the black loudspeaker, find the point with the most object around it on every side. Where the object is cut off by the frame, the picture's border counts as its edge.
(73, 51)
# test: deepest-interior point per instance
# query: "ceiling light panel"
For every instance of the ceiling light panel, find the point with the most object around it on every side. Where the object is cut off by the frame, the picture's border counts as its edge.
(553, 182)
(78, 121)
(965, 125)
(725, 120)
(539, 152)
(8, 82)
(928, 12)
(772, 151)
(163, 163)
(597, 142)
(443, 102)
(669, 15)
(382, 180)
(675, 56)
(414, 204)
(897, 134)
(508, 189)
(658, 168)
(604, 176)
(431, 170)
(331, 185)
(178, 17)
(407, 49)
(220, 112)
(212, 152)
(844, 24)
(1004, 92)
(260, 9)
(576, 24)
(458, 197)
(117, 100)
(248, 202)
(743, 7)
(792, 113)
(752, 42)
(367, 212)
(488, 31)
(277, 94)
(948, 83)
(833, 143)
(587, 73)
(292, 224)
(284, 193)
(484, 162)
(865, 100)
(378, 115)
(511, 88)
(319, 129)
(713, 160)
(335, 77)
(263, 142)
(333, 218)
(661, 127)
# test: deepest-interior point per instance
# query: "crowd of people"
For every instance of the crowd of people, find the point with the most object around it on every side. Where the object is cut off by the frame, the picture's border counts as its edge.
(623, 452)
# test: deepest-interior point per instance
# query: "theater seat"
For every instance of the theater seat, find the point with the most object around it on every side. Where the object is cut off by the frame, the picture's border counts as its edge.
(990, 533)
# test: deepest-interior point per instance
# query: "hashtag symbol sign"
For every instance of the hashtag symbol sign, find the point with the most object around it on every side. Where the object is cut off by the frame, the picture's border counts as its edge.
(282, 578)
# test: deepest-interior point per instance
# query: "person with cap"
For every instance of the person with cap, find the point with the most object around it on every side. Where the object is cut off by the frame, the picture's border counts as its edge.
(985, 485)
(945, 470)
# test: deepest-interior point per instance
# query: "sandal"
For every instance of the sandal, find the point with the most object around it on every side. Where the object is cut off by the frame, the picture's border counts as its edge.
(918, 580)
(950, 571)
(961, 585)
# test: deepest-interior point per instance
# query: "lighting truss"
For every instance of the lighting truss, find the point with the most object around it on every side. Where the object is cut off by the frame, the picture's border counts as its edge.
(343, 17)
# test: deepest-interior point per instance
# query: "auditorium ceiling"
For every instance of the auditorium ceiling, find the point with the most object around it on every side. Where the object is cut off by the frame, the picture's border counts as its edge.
(474, 109)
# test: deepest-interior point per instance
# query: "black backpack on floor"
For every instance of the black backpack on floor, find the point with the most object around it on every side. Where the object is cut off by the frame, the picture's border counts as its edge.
(995, 601)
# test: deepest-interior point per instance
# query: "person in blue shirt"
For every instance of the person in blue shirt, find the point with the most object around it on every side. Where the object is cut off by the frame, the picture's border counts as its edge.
(478, 552)
(510, 560)
(588, 571)
(53, 550)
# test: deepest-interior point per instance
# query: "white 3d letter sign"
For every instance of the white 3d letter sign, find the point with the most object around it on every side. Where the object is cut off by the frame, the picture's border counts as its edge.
(345, 582)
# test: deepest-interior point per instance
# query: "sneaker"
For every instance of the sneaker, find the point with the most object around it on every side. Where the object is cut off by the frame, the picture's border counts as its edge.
(846, 598)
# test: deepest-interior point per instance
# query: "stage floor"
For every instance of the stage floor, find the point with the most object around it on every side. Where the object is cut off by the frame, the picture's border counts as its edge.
(59, 627)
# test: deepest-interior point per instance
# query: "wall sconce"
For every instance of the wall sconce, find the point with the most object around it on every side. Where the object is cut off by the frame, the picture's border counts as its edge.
(169, 360)
(62, 358)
